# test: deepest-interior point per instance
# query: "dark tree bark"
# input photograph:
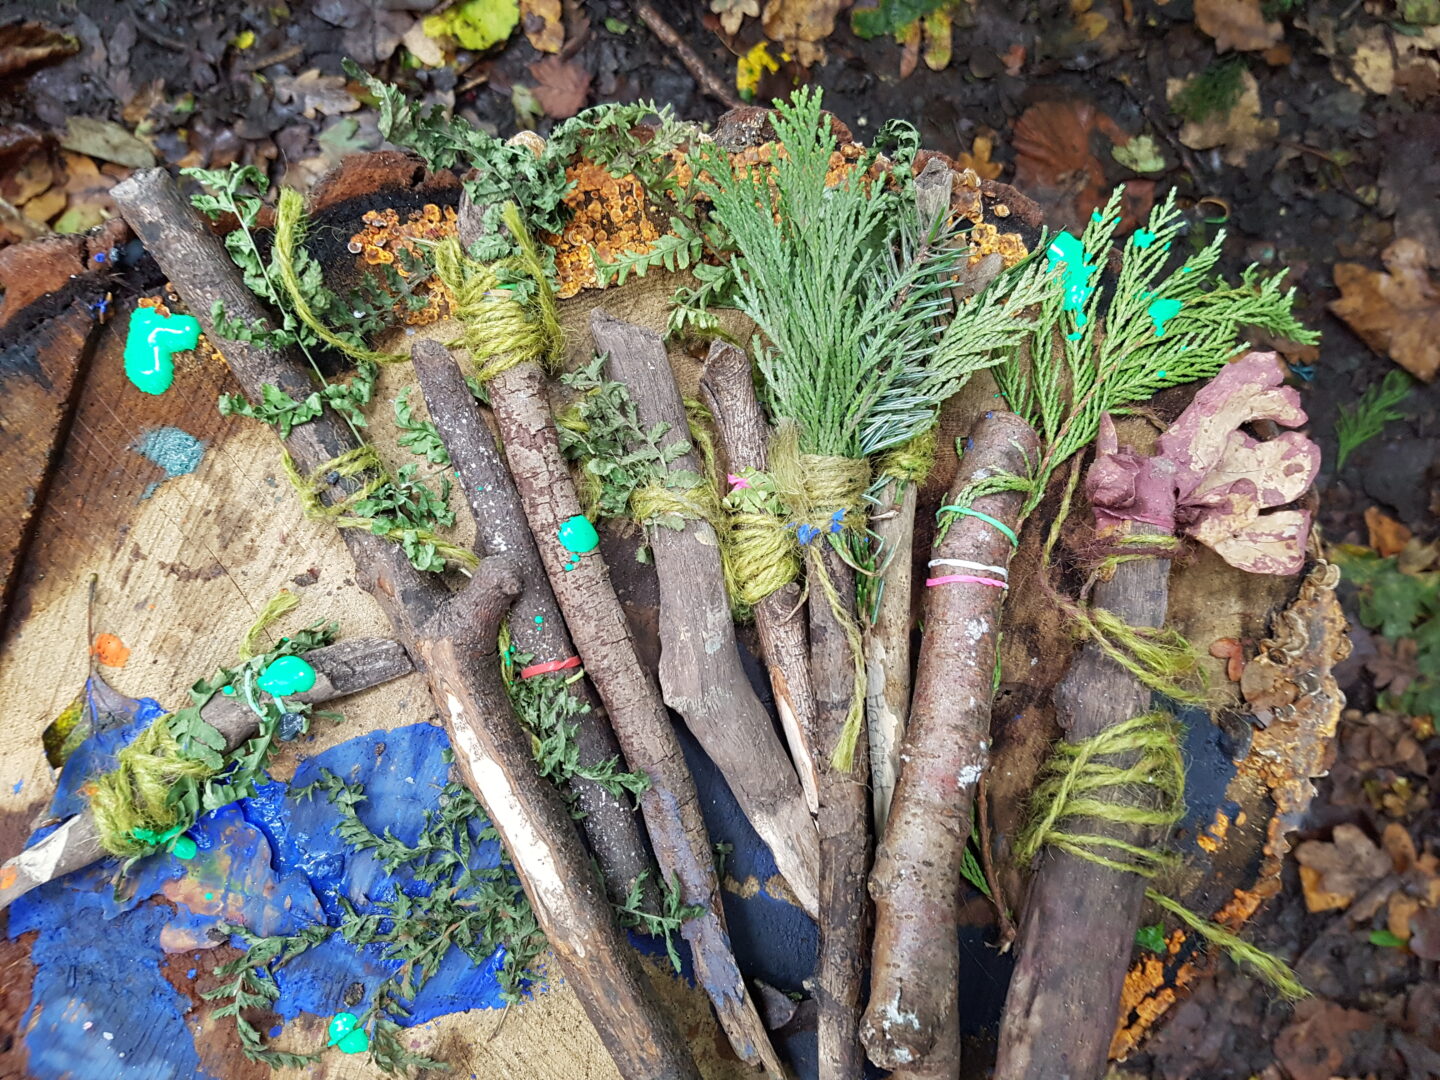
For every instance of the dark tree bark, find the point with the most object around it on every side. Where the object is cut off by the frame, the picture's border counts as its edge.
(844, 833)
(340, 669)
(492, 752)
(1078, 930)
(729, 393)
(599, 964)
(916, 880)
(597, 623)
(537, 629)
(700, 672)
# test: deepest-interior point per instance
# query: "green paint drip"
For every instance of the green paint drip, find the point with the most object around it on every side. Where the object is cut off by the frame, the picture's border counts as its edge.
(183, 848)
(578, 535)
(1144, 238)
(1161, 312)
(287, 675)
(1068, 250)
(346, 1033)
(177, 452)
(151, 343)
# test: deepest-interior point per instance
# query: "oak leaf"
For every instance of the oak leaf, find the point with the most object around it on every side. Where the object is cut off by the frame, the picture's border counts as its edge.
(1237, 24)
(799, 26)
(314, 93)
(1334, 872)
(732, 12)
(1396, 313)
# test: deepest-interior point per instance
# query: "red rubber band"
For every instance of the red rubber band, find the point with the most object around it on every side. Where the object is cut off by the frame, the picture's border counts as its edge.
(549, 666)
(950, 579)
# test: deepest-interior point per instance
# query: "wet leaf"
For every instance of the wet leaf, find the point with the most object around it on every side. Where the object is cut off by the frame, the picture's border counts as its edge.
(1141, 154)
(978, 158)
(1240, 130)
(938, 34)
(107, 141)
(561, 86)
(99, 707)
(87, 190)
(1316, 1045)
(314, 93)
(476, 24)
(1387, 536)
(543, 23)
(1396, 312)
(732, 12)
(1237, 24)
(881, 17)
(1334, 872)
(27, 45)
(798, 26)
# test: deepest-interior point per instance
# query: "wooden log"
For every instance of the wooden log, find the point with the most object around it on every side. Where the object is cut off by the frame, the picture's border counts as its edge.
(597, 623)
(700, 672)
(916, 880)
(346, 667)
(1078, 930)
(600, 967)
(537, 629)
(887, 645)
(492, 752)
(844, 832)
(729, 393)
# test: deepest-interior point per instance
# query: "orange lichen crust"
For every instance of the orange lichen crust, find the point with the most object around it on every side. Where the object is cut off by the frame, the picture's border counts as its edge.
(608, 216)
(986, 239)
(385, 240)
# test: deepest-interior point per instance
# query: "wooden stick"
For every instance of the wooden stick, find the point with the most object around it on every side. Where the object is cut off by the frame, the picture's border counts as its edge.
(887, 644)
(601, 967)
(729, 393)
(597, 622)
(340, 669)
(459, 648)
(844, 833)
(685, 53)
(916, 881)
(537, 629)
(700, 672)
(1078, 930)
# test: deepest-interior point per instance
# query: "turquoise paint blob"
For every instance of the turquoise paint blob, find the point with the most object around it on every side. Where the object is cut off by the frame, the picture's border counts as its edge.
(341, 1024)
(151, 344)
(1161, 312)
(177, 452)
(1068, 250)
(1095, 217)
(539, 619)
(184, 848)
(1160, 374)
(578, 536)
(357, 1042)
(287, 675)
(1144, 238)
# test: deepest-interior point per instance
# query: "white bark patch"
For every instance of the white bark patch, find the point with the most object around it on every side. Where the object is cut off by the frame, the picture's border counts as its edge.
(969, 775)
(530, 851)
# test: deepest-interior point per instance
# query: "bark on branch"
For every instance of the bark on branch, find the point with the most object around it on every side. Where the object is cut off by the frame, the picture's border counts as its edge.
(340, 669)
(916, 880)
(537, 629)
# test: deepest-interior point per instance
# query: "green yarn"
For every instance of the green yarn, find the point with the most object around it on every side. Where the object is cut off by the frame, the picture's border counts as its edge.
(278, 606)
(506, 309)
(1130, 774)
(911, 461)
(1161, 658)
(132, 806)
(289, 218)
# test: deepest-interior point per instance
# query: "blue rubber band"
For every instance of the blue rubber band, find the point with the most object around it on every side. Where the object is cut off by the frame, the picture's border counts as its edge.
(970, 512)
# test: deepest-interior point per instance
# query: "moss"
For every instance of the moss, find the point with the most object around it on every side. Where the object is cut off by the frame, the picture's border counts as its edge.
(1214, 90)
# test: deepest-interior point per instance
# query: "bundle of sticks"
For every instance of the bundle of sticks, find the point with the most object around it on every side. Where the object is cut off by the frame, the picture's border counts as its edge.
(871, 843)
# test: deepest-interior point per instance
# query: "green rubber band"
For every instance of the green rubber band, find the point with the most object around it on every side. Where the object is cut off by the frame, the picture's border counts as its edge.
(969, 512)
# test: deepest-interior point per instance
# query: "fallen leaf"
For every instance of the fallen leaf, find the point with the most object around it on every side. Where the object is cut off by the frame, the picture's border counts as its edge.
(1237, 24)
(908, 38)
(1241, 130)
(1396, 313)
(1417, 557)
(1141, 154)
(1378, 55)
(561, 86)
(1334, 872)
(732, 12)
(87, 189)
(314, 93)
(1425, 934)
(1317, 1043)
(1053, 160)
(476, 24)
(26, 45)
(1395, 664)
(45, 206)
(1387, 536)
(423, 47)
(34, 177)
(978, 158)
(751, 68)
(543, 23)
(798, 26)
(1233, 653)
(107, 141)
(939, 33)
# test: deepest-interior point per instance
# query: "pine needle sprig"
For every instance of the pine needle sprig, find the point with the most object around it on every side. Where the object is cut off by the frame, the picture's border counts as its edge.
(1377, 406)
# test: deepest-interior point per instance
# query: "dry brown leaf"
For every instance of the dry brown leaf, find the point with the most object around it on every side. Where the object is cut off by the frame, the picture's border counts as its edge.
(315, 93)
(978, 158)
(1316, 1044)
(1400, 846)
(1378, 54)
(732, 12)
(799, 26)
(561, 86)
(43, 207)
(1240, 131)
(1237, 24)
(543, 23)
(108, 141)
(1232, 652)
(1053, 160)
(32, 178)
(1387, 536)
(1333, 873)
(1395, 313)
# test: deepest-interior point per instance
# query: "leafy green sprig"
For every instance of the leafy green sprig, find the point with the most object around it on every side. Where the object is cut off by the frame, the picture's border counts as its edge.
(1357, 424)
(420, 437)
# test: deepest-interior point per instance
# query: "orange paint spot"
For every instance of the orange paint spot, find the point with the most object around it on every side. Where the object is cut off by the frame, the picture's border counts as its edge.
(8, 876)
(111, 651)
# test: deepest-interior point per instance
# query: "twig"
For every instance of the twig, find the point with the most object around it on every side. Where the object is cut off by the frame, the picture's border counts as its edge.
(687, 55)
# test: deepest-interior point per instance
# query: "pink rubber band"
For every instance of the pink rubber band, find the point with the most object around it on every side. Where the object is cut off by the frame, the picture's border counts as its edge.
(549, 666)
(955, 579)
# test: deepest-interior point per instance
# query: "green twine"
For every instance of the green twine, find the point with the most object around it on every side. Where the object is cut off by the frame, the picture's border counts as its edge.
(279, 605)
(133, 802)
(1090, 781)
(499, 329)
(339, 513)
(911, 461)
(289, 218)
(1161, 658)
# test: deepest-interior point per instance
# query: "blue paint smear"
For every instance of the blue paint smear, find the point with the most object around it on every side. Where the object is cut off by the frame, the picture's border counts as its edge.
(177, 452)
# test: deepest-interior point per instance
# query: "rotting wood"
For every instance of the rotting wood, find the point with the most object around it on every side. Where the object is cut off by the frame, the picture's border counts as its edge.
(1078, 930)
(537, 629)
(844, 834)
(700, 672)
(491, 749)
(625, 1015)
(597, 623)
(916, 880)
(346, 667)
(729, 393)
